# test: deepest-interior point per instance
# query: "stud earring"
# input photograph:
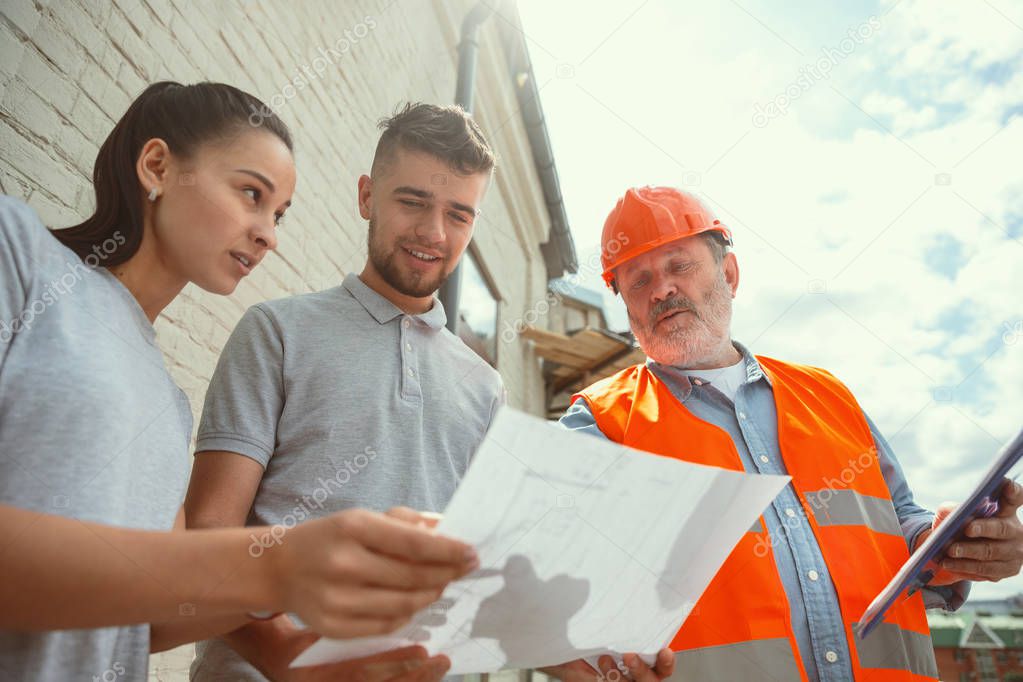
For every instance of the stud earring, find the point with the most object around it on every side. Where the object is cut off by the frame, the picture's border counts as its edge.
(153, 193)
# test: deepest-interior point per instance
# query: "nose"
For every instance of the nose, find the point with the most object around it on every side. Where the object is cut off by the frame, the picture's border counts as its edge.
(265, 236)
(431, 228)
(662, 289)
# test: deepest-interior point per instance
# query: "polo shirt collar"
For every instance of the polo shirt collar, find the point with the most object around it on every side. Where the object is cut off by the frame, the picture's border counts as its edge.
(383, 311)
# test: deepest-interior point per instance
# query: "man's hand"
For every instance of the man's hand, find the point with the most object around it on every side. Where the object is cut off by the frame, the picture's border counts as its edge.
(993, 547)
(271, 646)
(581, 671)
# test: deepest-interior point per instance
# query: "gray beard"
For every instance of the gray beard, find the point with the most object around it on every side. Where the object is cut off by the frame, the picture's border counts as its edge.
(685, 347)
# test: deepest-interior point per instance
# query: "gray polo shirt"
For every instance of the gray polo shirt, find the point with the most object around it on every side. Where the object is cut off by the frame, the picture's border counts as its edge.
(346, 401)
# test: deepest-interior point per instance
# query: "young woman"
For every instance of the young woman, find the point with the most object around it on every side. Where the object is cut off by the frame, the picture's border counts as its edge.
(94, 434)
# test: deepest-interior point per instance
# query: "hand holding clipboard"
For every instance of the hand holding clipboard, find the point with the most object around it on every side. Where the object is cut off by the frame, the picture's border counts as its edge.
(923, 564)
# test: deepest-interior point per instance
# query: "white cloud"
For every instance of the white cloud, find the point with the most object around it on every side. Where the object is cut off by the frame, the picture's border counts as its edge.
(903, 117)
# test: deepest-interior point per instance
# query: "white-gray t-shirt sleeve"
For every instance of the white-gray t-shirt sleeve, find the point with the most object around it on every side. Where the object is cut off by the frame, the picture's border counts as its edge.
(19, 230)
(246, 394)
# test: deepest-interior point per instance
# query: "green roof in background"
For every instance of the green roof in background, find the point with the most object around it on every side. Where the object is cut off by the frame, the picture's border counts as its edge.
(947, 629)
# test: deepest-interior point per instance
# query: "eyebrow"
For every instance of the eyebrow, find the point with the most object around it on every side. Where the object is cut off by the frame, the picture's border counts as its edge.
(265, 180)
(259, 176)
(424, 194)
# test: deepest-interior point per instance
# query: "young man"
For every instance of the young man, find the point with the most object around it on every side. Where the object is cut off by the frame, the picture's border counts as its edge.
(357, 395)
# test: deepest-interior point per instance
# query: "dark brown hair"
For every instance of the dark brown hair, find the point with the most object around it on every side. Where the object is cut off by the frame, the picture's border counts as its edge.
(447, 133)
(183, 116)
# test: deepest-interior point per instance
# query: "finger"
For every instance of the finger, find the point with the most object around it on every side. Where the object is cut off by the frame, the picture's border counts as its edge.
(431, 519)
(639, 670)
(1010, 499)
(373, 668)
(665, 667)
(432, 670)
(982, 550)
(303, 640)
(376, 672)
(375, 602)
(405, 653)
(346, 626)
(942, 512)
(993, 528)
(400, 539)
(406, 514)
(606, 665)
(385, 571)
(969, 577)
(987, 570)
(416, 518)
(573, 670)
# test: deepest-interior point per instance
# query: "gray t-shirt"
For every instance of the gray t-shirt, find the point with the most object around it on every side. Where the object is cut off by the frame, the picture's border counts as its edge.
(91, 426)
(347, 401)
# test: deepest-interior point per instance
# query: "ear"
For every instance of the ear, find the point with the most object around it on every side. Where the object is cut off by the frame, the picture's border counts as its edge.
(365, 196)
(730, 265)
(152, 165)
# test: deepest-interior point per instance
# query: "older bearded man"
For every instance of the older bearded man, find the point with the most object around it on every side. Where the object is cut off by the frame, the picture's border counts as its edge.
(785, 603)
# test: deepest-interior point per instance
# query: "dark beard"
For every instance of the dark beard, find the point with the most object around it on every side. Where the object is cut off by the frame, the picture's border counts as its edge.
(406, 283)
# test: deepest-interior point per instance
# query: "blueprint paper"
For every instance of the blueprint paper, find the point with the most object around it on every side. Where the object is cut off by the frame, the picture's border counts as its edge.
(586, 547)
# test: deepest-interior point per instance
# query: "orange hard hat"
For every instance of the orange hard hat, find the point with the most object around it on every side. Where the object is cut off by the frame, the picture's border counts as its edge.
(649, 217)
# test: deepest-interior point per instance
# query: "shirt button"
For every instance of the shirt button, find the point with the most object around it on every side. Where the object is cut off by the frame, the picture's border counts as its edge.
(830, 656)
(813, 575)
(790, 512)
(764, 459)
(408, 346)
(742, 415)
(407, 323)
(411, 373)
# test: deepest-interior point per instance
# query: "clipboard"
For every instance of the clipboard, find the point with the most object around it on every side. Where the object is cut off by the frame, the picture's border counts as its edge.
(922, 565)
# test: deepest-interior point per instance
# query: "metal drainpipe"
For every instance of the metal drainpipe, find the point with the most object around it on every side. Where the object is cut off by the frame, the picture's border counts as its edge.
(465, 88)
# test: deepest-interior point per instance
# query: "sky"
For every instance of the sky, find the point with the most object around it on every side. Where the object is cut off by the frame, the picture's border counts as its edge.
(862, 154)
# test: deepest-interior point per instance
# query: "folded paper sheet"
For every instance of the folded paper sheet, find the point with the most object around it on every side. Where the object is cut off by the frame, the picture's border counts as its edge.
(585, 546)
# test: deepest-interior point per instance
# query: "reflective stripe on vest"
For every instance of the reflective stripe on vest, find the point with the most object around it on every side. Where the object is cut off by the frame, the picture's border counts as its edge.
(850, 508)
(760, 660)
(892, 647)
(828, 450)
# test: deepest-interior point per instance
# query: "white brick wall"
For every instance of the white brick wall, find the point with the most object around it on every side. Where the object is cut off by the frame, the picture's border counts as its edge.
(70, 68)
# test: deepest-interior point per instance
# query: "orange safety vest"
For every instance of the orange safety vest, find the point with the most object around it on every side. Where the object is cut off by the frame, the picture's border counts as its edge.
(741, 627)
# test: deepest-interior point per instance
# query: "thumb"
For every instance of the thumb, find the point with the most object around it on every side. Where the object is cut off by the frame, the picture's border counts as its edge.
(942, 512)
(416, 518)
(1010, 499)
(300, 641)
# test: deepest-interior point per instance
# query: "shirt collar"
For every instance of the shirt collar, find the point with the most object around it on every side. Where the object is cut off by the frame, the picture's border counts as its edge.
(679, 383)
(754, 372)
(383, 311)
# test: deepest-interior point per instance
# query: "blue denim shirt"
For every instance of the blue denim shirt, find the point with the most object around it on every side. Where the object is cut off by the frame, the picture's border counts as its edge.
(752, 422)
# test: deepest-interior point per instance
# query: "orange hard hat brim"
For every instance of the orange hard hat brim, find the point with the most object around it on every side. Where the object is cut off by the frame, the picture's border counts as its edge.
(608, 274)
